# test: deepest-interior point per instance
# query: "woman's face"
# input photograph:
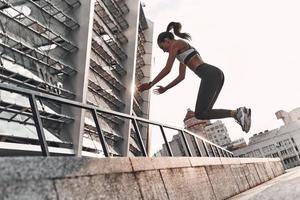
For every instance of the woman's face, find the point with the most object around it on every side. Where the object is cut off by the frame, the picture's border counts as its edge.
(165, 45)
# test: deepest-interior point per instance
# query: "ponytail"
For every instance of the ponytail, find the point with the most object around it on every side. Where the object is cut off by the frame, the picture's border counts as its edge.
(176, 26)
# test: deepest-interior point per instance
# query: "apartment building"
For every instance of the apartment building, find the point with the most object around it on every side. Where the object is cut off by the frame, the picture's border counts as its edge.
(217, 133)
(91, 51)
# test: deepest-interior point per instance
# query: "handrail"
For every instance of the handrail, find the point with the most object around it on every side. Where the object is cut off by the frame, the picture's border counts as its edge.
(32, 95)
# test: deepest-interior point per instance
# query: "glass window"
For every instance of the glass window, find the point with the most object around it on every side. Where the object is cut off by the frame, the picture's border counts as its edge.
(293, 140)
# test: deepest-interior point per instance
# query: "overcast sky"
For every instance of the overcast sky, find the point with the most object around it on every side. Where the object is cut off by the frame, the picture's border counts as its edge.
(256, 43)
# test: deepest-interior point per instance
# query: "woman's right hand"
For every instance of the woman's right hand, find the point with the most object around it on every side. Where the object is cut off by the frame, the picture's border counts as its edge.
(144, 86)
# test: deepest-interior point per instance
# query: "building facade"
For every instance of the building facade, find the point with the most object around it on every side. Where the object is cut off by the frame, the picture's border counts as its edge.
(91, 51)
(217, 133)
(237, 144)
(282, 142)
(197, 145)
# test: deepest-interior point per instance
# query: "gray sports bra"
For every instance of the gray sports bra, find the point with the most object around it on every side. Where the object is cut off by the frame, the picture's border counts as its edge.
(185, 56)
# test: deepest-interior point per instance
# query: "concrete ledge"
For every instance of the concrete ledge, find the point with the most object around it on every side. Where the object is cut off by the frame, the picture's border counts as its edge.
(251, 174)
(274, 159)
(170, 162)
(262, 172)
(254, 160)
(152, 185)
(93, 166)
(222, 181)
(187, 183)
(230, 161)
(132, 178)
(141, 164)
(204, 161)
(28, 168)
(27, 190)
(240, 177)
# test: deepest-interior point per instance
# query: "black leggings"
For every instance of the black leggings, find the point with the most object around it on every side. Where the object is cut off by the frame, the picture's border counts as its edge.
(212, 80)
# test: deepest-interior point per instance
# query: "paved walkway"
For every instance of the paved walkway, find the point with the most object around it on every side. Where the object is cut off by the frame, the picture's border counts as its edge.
(284, 187)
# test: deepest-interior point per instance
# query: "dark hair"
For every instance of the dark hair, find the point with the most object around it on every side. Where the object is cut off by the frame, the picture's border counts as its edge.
(176, 26)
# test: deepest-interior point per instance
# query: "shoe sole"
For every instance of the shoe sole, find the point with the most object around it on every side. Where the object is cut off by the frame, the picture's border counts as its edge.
(242, 119)
(248, 122)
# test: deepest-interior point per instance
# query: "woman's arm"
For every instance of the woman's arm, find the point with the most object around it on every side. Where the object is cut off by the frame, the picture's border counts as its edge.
(165, 71)
(178, 79)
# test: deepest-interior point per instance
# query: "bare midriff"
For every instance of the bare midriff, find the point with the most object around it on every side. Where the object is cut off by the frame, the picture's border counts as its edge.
(194, 62)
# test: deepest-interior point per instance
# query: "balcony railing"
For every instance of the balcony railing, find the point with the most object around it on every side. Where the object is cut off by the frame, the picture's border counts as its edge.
(216, 150)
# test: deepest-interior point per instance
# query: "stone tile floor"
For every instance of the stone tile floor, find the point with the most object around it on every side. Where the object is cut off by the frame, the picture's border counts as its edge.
(284, 187)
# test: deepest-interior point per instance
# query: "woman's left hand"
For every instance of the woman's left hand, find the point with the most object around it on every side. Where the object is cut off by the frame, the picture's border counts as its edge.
(159, 90)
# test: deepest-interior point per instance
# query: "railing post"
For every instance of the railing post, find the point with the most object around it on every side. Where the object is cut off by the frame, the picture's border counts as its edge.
(197, 146)
(228, 155)
(219, 151)
(225, 154)
(212, 150)
(215, 150)
(222, 152)
(205, 148)
(38, 125)
(100, 133)
(186, 143)
(137, 131)
(166, 141)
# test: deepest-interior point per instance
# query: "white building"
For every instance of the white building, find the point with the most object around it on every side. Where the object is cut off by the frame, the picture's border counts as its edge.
(282, 142)
(217, 133)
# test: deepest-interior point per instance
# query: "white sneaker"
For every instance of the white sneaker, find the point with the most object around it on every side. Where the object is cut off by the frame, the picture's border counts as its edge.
(243, 118)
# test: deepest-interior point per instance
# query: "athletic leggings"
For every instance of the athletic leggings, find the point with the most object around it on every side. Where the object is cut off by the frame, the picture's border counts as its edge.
(212, 80)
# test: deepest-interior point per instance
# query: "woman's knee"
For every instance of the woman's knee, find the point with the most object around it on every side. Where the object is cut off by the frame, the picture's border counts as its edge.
(201, 115)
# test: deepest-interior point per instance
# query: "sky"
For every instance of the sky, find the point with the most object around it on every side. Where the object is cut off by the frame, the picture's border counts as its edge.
(255, 43)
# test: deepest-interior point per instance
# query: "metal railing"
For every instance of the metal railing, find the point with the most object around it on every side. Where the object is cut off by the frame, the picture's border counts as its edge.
(216, 151)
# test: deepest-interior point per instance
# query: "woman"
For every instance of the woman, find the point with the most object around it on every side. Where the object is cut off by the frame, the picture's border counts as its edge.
(212, 78)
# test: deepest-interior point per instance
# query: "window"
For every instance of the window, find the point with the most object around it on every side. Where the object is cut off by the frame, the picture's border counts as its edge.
(257, 153)
(272, 147)
(287, 142)
(290, 150)
(15, 12)
(283, 152)
(293, 140)
(275, 155)
(47, 47)
(265, 149)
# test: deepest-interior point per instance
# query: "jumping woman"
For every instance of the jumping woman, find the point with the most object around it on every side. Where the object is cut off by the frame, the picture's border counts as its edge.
(212, 78)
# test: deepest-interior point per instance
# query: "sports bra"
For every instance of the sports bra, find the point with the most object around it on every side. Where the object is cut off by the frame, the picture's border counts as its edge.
(185, 56)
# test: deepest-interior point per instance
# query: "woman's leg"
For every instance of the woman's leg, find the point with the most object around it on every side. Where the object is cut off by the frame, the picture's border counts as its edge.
(212, 80)
(210, 87)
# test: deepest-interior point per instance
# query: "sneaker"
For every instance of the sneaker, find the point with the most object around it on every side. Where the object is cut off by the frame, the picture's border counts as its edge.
(243, 118)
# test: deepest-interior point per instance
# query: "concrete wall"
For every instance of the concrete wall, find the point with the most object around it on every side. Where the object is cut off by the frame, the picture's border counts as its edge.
(132, 178)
